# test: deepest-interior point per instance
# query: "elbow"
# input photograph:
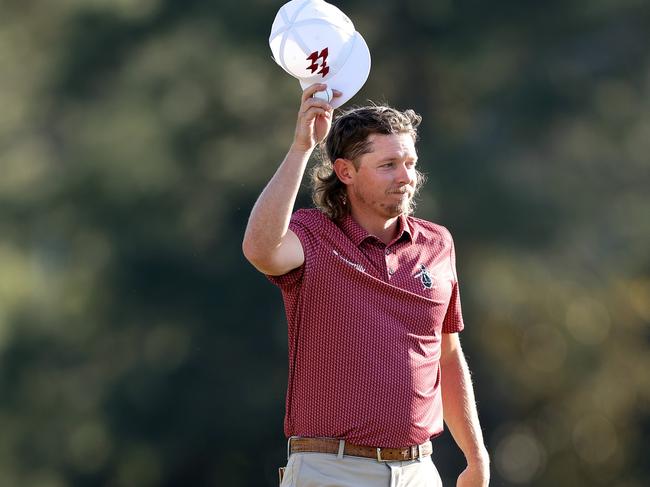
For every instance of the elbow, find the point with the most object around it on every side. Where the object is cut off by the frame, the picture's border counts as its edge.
(249, 251)
(253, 255)
(246, 248)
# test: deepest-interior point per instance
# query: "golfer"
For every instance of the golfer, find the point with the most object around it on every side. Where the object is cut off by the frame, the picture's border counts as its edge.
(372, 303)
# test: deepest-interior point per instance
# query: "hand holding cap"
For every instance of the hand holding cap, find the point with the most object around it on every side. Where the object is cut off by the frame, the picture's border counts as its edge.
(316, 42)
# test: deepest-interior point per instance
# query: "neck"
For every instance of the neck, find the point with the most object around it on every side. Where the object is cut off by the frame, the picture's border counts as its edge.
(382, 228)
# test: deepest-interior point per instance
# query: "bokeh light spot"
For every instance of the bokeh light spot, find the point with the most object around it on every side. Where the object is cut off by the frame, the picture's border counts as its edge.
(519, 456)
(595, 438)
(588, 321)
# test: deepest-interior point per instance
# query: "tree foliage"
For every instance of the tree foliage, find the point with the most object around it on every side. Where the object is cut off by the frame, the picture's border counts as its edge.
(137, 347)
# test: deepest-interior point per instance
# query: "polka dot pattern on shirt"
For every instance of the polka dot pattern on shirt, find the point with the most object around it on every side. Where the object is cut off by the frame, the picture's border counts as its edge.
(364, 325)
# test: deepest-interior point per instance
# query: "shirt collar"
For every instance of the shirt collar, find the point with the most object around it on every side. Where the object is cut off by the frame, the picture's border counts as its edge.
(357, 234)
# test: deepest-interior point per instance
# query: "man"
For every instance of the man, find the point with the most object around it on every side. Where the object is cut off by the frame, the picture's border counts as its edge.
(372, 304)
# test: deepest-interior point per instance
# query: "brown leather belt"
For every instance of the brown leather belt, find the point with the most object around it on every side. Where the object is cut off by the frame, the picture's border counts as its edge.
(331, 445)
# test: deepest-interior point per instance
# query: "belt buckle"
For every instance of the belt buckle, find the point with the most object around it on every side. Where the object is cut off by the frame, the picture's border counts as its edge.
(416, 452)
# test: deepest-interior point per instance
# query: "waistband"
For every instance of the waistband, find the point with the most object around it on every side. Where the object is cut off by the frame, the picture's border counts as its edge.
(298, 444)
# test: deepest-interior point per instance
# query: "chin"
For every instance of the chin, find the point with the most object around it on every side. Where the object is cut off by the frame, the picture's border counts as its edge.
(394, 211)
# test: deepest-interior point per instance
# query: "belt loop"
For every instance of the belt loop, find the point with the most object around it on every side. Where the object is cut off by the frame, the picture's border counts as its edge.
(341, 449)
(289, 446)
(420, 452)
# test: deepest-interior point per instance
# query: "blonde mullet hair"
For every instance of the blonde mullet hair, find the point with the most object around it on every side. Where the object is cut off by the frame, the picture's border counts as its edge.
(348, 139)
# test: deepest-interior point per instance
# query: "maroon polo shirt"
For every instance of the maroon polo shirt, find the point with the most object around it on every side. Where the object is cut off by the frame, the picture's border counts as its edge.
(365, 322)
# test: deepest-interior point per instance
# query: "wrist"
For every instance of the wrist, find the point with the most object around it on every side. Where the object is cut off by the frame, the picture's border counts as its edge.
(479, 457)
(300, 150)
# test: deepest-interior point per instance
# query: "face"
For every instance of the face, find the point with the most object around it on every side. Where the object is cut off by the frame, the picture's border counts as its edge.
(385, 180)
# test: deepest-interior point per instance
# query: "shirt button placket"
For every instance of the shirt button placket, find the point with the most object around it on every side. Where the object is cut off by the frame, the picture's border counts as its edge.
(389, 264)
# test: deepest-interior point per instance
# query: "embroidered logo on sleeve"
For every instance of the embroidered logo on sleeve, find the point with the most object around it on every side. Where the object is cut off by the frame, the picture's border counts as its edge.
(425, 277)
(358, 267)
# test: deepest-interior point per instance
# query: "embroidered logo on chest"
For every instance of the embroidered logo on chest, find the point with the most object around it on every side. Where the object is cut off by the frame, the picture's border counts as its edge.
(424, 277)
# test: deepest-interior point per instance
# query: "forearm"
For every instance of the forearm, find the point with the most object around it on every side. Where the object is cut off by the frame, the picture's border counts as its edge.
(269, 220)
(459, 408)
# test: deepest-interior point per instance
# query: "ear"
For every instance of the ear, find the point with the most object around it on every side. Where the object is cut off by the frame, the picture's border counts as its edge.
(344, 169)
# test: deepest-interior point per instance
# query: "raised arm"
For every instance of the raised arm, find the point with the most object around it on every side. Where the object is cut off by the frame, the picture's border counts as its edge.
(268, 243)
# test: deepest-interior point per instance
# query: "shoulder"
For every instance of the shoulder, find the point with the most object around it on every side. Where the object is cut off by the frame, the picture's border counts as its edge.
(428, 230)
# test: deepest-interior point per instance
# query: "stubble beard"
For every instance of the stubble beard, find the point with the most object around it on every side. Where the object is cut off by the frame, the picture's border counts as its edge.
(403, 207)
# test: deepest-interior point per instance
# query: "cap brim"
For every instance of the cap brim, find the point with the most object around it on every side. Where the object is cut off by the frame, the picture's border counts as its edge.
(352, 76)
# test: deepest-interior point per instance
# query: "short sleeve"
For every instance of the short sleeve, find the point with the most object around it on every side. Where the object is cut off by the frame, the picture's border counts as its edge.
(305, 224)
(453, 322)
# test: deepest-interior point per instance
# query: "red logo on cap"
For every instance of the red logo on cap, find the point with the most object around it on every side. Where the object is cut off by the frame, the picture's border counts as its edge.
(315, 56)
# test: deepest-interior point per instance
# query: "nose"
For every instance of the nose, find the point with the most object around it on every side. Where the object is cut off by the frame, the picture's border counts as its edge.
(405, 174)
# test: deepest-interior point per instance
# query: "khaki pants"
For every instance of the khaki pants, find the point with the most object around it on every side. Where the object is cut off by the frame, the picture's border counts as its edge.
(328, 470)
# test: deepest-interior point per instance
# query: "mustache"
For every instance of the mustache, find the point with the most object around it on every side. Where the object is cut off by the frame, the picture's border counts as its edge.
(402, 190)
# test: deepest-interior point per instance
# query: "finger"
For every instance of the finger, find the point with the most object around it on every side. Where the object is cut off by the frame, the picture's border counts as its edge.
(314, 112)
(336, 93)
(311, 89)
(315, 102)
(311, 104)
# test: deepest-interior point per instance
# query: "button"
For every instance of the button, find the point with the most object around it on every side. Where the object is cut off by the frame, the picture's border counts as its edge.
(387, 251)
(391, 271)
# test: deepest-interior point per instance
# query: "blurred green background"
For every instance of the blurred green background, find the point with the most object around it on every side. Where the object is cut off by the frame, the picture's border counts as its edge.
(139, 348)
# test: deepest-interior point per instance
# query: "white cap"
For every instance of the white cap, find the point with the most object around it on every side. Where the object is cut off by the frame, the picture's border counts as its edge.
(315, 42)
